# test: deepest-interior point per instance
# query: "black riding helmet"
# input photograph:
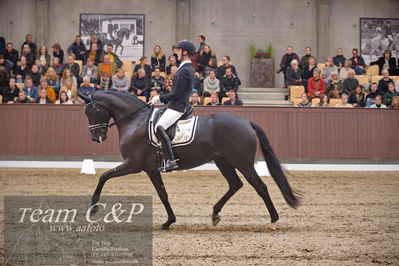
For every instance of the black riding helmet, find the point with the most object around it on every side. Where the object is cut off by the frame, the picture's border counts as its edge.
(186, 45)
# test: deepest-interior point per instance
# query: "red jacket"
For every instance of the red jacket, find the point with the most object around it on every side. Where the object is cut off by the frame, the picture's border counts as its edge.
(314, 86)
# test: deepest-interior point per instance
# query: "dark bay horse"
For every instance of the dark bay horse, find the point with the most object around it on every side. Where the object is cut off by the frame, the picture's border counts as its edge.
(228, 140)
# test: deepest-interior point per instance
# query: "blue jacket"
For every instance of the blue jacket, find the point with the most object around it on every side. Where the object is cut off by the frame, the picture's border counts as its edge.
(86, 90)
(76, 49)
(32, 93)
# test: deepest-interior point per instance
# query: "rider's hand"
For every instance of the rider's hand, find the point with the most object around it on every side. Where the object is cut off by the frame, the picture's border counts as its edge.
(155, 100)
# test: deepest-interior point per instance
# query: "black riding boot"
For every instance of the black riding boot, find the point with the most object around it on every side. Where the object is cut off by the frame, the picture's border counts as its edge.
(171, 162)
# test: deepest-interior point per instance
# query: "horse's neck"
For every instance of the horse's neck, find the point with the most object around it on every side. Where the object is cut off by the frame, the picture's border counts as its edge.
(129, 113)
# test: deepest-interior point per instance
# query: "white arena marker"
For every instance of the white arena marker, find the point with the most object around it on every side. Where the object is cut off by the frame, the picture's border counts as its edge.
(88, 167)
(261, 168)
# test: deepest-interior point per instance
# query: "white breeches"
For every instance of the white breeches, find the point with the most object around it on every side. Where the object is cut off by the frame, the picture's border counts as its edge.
(168, 118)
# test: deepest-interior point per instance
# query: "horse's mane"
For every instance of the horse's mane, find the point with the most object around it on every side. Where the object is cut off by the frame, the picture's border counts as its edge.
(122, 95)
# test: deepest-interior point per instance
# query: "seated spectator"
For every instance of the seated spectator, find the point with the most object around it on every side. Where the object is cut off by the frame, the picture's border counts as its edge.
(113, 58)
(90, 70)
(58, 67)
(205, 55)
(107, 67)
(53, 80)
(344, 102)
(41, 69)
(158, 59)
(30, 90)
(316, 85)
(195, 100)
(323, 101)
(168, 84)
(175, 52)
(390, 94)
(350, 83)
(378, 102)
(35, 75)
(157, 81)
(294, 74)
(49, 91)
(104, 82)
(173, 70)
(334, 86)
(195, 62)
(74, 67)
(373, 93)
(11, 56)
(64, 99)
(339, 59)
(358, 97)
(22, 98)
(94, 54)
(78, 49)
(232, 98)
(212, 65)
(395, 102)
(143, 63)
(286, 62)
(29, 41)
(4, 80)
(383, 83)
(152, 94)
(172, 63)
(228, 82)
(86, 89)
(358, 63)
(22, 70)
(344, 71)
(201, 40)
(10, 94)
(96, 41)
(120, 81)
(67, 74)
(222, 69)
(387, 62)
(211, 85)
(328, 68)
(71, 91)
(58, 52)
(43, 56)
(3, 62)
(140, 84)
(197, 83)
(30, 57)
(305, 59)
(304, 101)
(42, 98)
(307, 71)
(214, 100)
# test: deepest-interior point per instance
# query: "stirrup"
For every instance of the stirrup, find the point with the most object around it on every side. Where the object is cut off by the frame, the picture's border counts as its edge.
(168, 165)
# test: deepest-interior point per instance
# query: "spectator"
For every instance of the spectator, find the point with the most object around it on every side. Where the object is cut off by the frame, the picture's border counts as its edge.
(22, 98)
(175, 52)
(43, 56)
(11, 56)
(328, 68)
(140, 84)
(323, 101)
(373, 93)
(304, 101)
(344, 102)
(53, 80)
(201, 40)
(49, 91)
(206, 54)
(389, 94)
(173, 70)
(157, 81)
(104, 82)
(339, 59)
(30, 90)
(30, 43)
(30, 57)
(334, 86)
(58, 52)
(232, 98)
(211, 85)
(94, 54)
(294, 74)
(196, 85)
(35, 75)
(90, 70)
(74, 67)
(41, 68)
(383, 83)
(316, 85)
(358, 63)
(10, 94)
(94, 40)
(286, 62)
(214, 100)
(72, 92)
(22, 70)
(358, 97)
(222, 69)
(387, 62)
(158, 59)
(86, 89)
(120, 82)
(78, 49)
(195, 99)
(350, 83)
(195, 62)
(212, 65)
(143, 63)
(343, 73)
(152, 94)
(168, 85)
(64, 99)
(395, 102)
(172, 63)
(113, 58)
(67, 74)
(305, 59)
(227, 83)
(378, 102)
(307, 71)
(107, 67)
(58, 67)
(4, 80)
(42, 98)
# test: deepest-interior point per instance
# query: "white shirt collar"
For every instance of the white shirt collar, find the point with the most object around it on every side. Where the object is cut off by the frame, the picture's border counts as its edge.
(183, 63)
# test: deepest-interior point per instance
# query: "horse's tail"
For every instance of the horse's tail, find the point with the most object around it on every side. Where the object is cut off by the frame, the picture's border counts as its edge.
(274, 166)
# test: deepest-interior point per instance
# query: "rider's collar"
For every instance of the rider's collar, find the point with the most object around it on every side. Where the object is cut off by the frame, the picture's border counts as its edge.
(183, 63)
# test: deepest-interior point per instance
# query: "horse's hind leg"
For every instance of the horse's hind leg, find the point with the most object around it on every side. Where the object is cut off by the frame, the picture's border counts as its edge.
(229, 172)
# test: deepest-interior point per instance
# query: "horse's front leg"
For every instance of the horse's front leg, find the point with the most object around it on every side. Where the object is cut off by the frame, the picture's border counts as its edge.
(123, 169)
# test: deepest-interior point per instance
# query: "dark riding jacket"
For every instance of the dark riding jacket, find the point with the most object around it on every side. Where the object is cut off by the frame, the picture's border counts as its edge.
(178, 98)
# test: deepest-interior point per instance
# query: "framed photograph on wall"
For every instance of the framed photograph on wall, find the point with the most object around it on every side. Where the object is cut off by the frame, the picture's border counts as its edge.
(124, 31)
(378, 35)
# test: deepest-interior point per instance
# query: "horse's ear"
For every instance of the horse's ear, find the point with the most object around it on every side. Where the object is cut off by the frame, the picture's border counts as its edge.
(84, 97)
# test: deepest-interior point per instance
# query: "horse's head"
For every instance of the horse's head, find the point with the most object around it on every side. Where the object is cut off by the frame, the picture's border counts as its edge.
(98, 119)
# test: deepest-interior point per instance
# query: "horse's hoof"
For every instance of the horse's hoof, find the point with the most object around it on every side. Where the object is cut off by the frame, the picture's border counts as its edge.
(164, 227)
(215, 219)
(271, 227)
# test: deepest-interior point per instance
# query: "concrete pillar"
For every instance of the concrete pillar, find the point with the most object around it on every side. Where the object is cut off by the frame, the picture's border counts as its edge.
(323, 38)
(182, 19)
(41, 23)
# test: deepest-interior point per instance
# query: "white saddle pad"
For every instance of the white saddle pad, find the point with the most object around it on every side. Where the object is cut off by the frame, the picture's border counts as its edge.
(184, 135)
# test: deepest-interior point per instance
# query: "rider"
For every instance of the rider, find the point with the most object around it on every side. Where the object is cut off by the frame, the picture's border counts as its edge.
(177, 101)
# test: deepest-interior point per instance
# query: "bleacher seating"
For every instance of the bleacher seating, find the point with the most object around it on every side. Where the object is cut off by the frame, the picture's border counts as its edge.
(295, 92)
(363, 79)
(334, 102)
